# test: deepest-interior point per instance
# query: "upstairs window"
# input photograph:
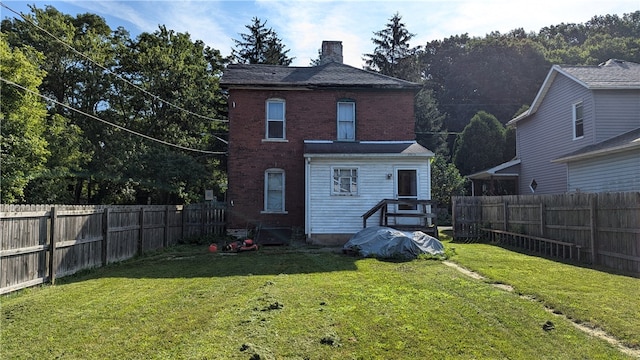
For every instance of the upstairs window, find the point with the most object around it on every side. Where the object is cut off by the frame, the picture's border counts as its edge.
(275, 119)
(578, 121)
(346, 121)
(274, 191)
(345, 181)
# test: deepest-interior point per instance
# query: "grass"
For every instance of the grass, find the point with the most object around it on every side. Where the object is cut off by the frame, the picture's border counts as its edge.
(599, 299)
(284, 303)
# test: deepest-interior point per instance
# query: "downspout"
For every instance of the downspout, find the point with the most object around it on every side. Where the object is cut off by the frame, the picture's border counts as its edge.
(307, 197)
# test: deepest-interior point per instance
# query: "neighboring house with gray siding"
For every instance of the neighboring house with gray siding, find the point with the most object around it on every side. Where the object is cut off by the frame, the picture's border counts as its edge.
(582, 131)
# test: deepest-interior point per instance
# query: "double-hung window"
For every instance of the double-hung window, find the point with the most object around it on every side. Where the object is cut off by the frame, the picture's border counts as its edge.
(345, 181)
(274, 191)
(578, 120)
(346, 121)
(275, 119)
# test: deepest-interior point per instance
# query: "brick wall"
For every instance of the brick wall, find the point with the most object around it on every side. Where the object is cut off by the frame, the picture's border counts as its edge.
(310, 115)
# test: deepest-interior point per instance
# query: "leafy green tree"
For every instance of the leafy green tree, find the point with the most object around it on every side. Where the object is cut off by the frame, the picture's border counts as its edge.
(71, 79)
(393, 55)
(260, 46)
(480, 145)
(176, 70)
(446, 182)
(23, 147)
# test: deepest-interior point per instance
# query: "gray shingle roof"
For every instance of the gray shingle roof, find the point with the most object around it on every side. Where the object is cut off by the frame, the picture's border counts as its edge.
(408, 148)
(328, 75)
(621, 142)
(610, 75)
(613, 74)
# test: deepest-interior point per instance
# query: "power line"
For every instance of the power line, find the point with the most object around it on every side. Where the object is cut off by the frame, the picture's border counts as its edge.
(112, 124)
(109, 71)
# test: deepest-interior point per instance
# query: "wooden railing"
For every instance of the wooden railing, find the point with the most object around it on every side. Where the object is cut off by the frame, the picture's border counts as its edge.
(426, 214)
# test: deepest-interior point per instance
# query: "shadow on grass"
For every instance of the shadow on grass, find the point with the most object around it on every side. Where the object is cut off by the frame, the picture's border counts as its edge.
(195, 261)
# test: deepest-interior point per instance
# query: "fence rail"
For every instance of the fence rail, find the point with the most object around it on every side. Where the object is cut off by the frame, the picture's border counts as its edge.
(41, 242)
(604, 228)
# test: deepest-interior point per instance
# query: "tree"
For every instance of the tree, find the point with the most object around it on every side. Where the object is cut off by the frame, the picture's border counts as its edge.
(446, 182)
(176, 70)
(23, 147)
(428, 126)
(392, 55)
(260, 46)
(480, 145)
(70, 79)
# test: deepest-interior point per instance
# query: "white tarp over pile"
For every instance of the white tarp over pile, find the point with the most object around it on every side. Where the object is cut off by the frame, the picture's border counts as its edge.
(384, 242)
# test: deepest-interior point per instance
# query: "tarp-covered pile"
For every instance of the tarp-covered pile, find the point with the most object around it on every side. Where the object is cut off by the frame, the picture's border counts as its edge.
(385, 242)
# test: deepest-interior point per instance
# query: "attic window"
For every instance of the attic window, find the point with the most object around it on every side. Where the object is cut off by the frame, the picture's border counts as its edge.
(533, 186)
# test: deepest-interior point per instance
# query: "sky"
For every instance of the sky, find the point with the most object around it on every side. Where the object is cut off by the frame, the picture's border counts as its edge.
(303, 25)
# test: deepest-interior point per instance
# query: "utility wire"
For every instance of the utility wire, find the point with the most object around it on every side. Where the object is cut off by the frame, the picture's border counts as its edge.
(112, 124)
(107, 70)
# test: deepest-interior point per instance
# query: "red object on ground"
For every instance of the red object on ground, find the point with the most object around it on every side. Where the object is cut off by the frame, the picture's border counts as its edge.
(213, 248)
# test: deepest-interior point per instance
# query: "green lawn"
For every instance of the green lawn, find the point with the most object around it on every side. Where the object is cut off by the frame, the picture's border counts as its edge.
(283, 303)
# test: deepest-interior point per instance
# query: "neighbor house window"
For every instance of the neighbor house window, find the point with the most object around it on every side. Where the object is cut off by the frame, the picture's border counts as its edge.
(275, 119)
(274, 190)
(346, 121)
(578, 120)
(345, 181)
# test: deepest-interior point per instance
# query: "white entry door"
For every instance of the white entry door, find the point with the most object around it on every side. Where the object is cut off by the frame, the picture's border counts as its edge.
(407, 188)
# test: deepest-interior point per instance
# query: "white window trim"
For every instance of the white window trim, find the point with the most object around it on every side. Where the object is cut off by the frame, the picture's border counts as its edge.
(284, 120)
(357, 183)
(353, 115)
(574, 118)
(266, 191)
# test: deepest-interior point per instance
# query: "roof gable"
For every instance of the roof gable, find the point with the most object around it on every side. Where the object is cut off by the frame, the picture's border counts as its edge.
(329, 75)
(610, 75)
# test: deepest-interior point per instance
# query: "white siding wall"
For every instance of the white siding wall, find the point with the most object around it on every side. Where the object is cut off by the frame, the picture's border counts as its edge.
(548, 133)
(612, 173)
(330, 214)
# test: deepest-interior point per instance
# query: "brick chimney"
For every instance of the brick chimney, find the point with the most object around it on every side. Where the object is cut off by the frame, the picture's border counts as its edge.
(331, 52)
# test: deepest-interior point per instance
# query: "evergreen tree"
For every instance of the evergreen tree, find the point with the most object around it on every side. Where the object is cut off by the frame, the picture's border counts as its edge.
(260, 46)
(393, 55)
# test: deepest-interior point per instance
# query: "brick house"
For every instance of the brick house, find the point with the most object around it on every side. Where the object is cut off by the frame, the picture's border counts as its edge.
(314, 148)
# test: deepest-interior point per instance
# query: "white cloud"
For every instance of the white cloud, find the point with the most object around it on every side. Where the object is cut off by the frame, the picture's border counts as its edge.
(303, 25)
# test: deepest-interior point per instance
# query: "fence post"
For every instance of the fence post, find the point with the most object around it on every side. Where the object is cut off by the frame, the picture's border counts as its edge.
(184, 221)
(105, 236)
(141, 232)
(165, 240)
(453, 216)
(52, 247)
(593, 238)
(203, 214)
(542, 220)
(505, 215)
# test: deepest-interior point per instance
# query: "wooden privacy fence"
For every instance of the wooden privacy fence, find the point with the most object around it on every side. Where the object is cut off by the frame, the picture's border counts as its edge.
(41, 242)
(603, 228)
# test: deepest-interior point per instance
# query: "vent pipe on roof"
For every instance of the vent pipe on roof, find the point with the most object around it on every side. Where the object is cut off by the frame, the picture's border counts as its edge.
(331, 52)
